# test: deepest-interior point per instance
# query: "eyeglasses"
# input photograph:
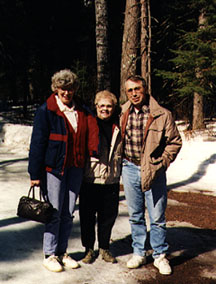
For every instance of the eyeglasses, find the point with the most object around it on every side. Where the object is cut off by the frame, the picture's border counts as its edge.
(136, 89)
(69, 89)
(104, 106)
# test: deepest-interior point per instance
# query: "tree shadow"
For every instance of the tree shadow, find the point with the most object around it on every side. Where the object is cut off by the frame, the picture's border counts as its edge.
(189, 243)
(185, 243)
(11, 221)
(1, 132)
(23, 241)
(11, 162)
(197, 175)
(13, 169)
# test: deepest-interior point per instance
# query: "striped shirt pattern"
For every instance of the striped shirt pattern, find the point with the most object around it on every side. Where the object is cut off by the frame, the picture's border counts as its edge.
(135, 132)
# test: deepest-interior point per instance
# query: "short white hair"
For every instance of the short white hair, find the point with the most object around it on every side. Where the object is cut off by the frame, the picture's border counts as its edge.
(105, 94)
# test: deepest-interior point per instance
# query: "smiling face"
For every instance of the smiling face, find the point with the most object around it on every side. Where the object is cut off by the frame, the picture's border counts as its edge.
(65, 95)
(136, 93)
(105, 108)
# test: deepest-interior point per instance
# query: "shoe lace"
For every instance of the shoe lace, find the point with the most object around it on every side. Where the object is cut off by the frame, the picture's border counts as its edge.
(53, 258)
(107, 252)
(164, 261)
(90, 253)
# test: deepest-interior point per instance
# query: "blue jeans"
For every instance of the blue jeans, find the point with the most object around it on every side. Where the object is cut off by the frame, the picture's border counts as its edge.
(155, 200)
(63, 195)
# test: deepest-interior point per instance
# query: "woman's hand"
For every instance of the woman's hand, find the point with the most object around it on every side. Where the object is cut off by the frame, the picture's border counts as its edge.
(35, 182)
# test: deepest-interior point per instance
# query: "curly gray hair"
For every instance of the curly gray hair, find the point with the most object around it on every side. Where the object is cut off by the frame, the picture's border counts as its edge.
(64, 79)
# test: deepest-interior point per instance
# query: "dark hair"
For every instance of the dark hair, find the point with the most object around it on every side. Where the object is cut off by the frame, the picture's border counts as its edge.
(136, 78)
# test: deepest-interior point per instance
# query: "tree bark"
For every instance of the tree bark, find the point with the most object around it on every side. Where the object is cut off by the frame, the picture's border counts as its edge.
(198, 114)
(129, 44)
(144, 39)
(102, 49)
(145, 42)
(198, 117)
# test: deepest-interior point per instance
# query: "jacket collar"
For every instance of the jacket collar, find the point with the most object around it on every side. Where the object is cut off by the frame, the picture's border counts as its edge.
(53, 106)
(63, 107)
(155, 108)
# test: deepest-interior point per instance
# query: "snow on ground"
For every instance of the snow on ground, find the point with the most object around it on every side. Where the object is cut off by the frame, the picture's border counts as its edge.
(195, 166)
(15, 137)
(21, 241)
(193, 169)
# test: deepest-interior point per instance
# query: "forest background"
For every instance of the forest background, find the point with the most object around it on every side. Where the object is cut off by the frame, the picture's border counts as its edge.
(39, 38)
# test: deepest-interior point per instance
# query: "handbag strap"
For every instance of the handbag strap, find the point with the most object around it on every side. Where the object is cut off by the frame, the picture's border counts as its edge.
(41, 195)
(31, 193)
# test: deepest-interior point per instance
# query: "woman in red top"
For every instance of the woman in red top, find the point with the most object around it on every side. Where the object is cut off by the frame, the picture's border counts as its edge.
(63, 131)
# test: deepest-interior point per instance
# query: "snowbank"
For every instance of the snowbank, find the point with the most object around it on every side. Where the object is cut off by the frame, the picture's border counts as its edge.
(16, 138)
(195, 166)
(193, 169)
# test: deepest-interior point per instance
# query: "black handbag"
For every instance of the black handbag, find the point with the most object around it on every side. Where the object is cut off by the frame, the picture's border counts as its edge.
(34, 209)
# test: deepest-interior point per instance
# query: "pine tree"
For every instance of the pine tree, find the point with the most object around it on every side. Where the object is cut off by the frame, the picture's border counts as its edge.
(193, 72)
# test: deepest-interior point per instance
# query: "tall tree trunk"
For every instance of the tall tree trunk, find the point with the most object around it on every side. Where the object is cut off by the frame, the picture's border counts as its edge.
(102, 49)
(198, 115)
(129, 44)
(149, 47)
(198, 118)
(144, 39)
(145, 42)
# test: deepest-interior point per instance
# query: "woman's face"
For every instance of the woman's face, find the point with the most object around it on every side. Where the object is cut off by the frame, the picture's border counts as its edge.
(65, 95)
(105, 108)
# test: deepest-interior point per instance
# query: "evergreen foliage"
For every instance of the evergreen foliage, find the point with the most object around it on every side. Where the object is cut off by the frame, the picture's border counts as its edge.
(40, 37)
(192, 65)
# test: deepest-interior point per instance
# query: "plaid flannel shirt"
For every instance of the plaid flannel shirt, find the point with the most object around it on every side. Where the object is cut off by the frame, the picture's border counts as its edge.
(135, 131)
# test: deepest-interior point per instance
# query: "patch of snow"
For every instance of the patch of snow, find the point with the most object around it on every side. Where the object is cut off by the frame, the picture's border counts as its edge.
(193, 170)
(195, 165)
(16, 137)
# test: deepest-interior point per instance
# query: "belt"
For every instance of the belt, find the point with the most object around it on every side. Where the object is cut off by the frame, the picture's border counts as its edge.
(134, 161)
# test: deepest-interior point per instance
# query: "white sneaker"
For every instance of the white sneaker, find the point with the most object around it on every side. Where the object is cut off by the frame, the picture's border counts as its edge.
(68, 262)
(52, 264)
(136, 261)
(163, 265)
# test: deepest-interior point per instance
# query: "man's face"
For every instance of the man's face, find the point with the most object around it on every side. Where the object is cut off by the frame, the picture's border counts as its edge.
(136, 93)
(65, 95)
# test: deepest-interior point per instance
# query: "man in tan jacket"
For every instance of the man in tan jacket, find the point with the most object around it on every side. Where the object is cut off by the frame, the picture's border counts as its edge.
(151, 142)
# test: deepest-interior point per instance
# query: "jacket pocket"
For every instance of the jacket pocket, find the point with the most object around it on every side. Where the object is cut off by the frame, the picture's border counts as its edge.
(156, 161)
(156, 134)
(156, 166)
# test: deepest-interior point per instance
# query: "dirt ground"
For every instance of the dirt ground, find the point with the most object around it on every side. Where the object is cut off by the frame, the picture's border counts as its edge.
(200, 211)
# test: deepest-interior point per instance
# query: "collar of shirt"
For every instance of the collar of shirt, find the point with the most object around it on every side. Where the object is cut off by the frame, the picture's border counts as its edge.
(69, 112)
(63, 107)
(144, 109)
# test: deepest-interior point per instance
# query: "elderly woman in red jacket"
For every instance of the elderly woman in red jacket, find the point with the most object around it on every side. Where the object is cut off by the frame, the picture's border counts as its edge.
(63, 131)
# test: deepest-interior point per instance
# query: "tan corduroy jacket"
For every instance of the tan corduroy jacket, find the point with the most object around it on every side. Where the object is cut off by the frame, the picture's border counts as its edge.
(162, 141)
